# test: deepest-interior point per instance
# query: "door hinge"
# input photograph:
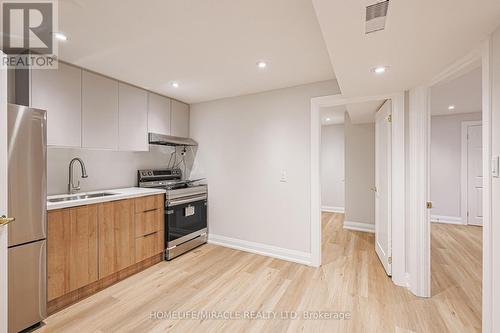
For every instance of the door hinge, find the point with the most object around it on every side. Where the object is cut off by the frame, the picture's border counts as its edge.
(389, 118)
(390, 260)
(429, 204)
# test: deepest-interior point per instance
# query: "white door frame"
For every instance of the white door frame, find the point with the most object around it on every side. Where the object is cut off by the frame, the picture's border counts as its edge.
(3, 198)
(418, 217)
(464, 187)
(419, 139)
(398, 177)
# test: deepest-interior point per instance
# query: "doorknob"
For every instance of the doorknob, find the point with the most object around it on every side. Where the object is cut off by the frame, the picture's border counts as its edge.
(4, 220)
(374, 189)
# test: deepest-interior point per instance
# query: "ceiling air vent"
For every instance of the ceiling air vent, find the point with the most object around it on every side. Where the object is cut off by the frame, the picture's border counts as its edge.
(375, 16)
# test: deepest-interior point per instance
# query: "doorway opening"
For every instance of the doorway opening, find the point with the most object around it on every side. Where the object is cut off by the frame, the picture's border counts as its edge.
(456, 190)
(355, 175)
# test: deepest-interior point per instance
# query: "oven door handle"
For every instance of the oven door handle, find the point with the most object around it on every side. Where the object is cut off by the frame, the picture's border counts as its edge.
(177, 202)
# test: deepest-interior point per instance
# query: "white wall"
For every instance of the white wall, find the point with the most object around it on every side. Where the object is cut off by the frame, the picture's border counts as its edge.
(332, 167)
(359, 172)
(106, 169)
(246, 143)
(446, 136)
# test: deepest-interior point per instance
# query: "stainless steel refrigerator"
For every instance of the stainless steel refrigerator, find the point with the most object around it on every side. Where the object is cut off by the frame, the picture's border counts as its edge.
(27, 278)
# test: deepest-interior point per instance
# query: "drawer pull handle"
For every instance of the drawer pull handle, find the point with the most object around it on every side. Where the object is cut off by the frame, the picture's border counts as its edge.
(150, 210)
(150, 234)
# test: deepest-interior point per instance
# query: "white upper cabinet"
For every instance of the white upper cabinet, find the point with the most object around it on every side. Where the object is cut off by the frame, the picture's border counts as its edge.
(133, 118)
(159, 114)
(88, 110)
(59, 92)
(180, 119)
(99, 112)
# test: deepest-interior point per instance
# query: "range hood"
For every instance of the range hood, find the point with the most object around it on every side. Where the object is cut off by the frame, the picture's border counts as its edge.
(169, 140)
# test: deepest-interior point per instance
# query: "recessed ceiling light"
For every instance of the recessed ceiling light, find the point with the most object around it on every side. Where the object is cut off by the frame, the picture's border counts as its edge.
(175, 84)
(327, 119)
(380, 69)
(451, 107)
(262, 64)
(60, 36)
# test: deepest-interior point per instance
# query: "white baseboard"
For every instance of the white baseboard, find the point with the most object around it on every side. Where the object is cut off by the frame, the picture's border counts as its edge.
(359, 226)
(331, 209)
(446, 219)
(262, 249)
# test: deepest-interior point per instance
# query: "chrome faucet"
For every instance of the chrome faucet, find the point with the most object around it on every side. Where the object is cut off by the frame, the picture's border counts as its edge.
(71, 185)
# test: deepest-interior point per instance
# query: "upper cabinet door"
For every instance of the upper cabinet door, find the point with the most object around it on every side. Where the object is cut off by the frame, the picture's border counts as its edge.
(133, 119)
(159, 114)
(99, 112)
(59, 92)
(180, 119)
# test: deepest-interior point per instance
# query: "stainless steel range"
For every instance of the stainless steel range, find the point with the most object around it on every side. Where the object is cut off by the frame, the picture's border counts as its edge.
(185, 209)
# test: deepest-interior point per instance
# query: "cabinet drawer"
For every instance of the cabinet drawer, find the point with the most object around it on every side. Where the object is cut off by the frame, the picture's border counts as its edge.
(146, 204)
(147, 222)
(147, 246)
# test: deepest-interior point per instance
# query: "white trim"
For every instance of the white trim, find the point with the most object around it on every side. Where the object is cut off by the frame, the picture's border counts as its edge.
(398, 177)
(464, 181)
(398, 191)
(359, 226)
(462, 66)
(262, 249)
(315, 221)
(487, 183)
(331, 209)
(419, 216)
(3, 197)
(447, 219)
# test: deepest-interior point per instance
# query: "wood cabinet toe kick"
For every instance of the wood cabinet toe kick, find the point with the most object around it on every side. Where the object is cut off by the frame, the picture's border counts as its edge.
(92, 247)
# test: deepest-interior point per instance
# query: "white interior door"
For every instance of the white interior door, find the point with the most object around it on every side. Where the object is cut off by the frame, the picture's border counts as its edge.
(475, 175)
(3, 196)
(383, 242)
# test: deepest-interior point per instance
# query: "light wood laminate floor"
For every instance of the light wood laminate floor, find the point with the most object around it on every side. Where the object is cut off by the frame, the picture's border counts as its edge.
(351, 279)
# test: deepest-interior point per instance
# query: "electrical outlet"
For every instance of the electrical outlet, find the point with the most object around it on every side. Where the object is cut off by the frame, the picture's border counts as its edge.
(495, 167)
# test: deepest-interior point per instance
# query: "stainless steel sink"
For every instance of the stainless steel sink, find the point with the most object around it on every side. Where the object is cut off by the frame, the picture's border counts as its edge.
(82, 197)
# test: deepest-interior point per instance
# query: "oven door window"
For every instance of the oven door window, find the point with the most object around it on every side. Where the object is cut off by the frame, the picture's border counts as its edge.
(185, 219)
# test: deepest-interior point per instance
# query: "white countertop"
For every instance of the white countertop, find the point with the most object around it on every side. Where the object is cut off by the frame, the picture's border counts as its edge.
(121, 193)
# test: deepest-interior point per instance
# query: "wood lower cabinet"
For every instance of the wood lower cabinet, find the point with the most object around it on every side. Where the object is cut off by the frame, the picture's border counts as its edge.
(72, 249)
(116, 236)
(146, 246)
(149, 226)
(91, 247)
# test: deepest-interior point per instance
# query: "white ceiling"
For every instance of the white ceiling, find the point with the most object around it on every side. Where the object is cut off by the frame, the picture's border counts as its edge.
(363, 113)
(421, 39)
(333, 115)
(210, 47)
(360, 113)
(463, 92)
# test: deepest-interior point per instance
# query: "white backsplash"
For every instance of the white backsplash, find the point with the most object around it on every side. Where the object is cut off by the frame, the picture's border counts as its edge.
(106, 169)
